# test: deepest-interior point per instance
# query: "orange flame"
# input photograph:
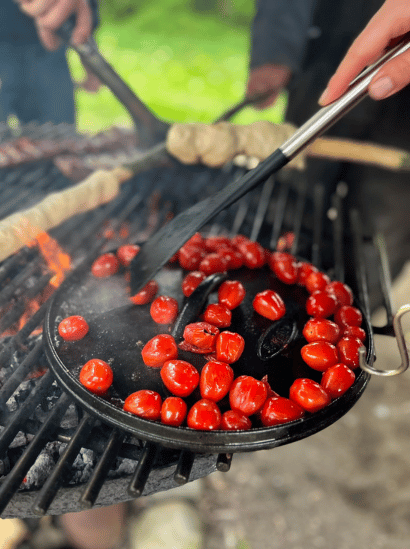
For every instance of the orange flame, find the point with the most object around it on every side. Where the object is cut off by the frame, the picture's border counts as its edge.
(57, 261)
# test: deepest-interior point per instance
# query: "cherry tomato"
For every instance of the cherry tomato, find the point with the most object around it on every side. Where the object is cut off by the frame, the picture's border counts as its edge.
(277, 410)
(164, 309)
(145, 295)
(179, 377)
(213, 263)
(269, 304)
(337, 380)
(342, 292)
(348, 316)
(309, 395)
(126, 253)
(191, 282)
(285, 267)
(215, 380)
(234, 258)
(201, 334)
(96, 375)
(145, 403)
(158, 350)
(348, 348)
(320, 355)
(185, 346)
(197, 239)
(233, 420)
(190, 256)
(253, 253)
(173, 411)
(218, 315)
(305, 269)
(231, 293)
(321, 304)
(229, 346)
(321, 329)
(204, 415)
(354, 331)
(316, 281)
(247, 395)
(215, 243)
(271, 392)
(105, 265)
(73, 328)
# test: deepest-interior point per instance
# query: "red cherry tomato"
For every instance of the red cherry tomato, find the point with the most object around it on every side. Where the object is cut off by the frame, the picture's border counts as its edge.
(145, 403)
(204, 415)
(277, 410)
(229, 347)
(269, 304)
(309, 395)
(320, 355)
(191, 282)
(173, 411)
(232, 420)
(190, 256)
(213, 263)
(321, 329)
(215, 380)
(348, 316)
(215, 243)
(73, 328)
(342, 292)
(105, 265)
(348, 348)
(305, 269)
(164, 309)
(179, 377)
(271, 392)
(321, 304)
(201, 334)
(185, 346)
(158, 350)
(285, 267)
(145, 295)
(247, 395)
(96, 375)
(337, 380)
(253, 253)
(316, 281)
(197, 239)
(218, 315)
(126, 253)
(231, 293)
(354, 331)
(234, 258)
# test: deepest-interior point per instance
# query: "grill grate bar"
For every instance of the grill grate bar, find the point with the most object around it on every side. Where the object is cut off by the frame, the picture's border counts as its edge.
(223, 463)
(62, 470)
(318, 198)
(184, 467)
(338, 244)
(263, 205)
(146, 462)
(279, 217)
(17, 474)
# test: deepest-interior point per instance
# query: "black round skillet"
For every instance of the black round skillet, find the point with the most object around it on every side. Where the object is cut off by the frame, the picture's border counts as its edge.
(119, 330)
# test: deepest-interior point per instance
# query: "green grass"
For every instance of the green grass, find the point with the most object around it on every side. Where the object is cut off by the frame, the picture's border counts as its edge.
(184, 66)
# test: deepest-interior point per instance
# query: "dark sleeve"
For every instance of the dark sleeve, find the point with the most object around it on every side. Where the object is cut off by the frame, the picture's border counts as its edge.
(280, 32)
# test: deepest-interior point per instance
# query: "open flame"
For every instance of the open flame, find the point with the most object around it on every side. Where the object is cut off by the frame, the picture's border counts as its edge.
(57, 261)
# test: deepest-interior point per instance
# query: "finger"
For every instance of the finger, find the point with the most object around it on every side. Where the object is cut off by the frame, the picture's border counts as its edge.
(37, 8)
(83, 26)
(48, 38)
(393, 77)
(57, 14)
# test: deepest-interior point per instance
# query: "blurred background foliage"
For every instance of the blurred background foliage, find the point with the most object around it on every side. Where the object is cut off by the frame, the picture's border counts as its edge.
(187, 60)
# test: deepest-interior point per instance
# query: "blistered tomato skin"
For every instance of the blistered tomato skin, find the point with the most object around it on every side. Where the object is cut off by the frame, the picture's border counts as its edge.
(342, 292)
(179, 377)
(126, 253)
(146, 295)
(321, 304)
(285, 267)
(247, 395)
(348, 316)
(158, 350)
(215, 380)
(218, 315)
(97, 376)
(320, 355)
(173, 411)
(232, 420)
(229, 347)
(164, 309)
(269, 304)
(316, 281)
(305, 269)
(201, 334)
(337, 380)
(278, 410)
(145, 403)
(191, 282)
(105, 265)
(309, 395)
(354, 331)
(231, 293)
(321, 329)
(204, 415)
(348, 348)
(73, 328)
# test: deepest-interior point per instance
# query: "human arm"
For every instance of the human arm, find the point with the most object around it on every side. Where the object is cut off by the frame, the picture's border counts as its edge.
(388, 24)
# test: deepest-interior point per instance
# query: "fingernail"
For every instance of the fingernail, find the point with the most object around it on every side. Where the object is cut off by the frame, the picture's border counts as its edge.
(381, 87)
(323, 97)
